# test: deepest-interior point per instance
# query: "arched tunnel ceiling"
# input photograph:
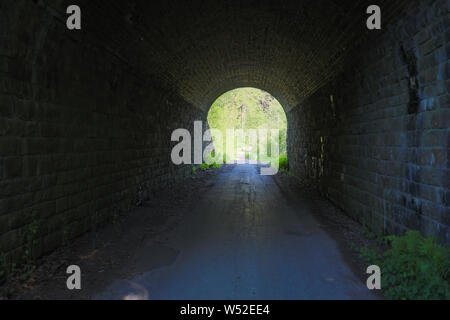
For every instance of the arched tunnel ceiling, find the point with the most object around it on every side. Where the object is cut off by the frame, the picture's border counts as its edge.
(202, 49)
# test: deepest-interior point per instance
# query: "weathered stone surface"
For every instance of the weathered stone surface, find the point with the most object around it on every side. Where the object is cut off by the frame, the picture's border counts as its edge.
(86, 116)
(386, 167)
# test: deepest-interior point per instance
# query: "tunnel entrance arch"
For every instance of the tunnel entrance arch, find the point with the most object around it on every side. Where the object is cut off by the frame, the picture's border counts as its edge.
(252, 126)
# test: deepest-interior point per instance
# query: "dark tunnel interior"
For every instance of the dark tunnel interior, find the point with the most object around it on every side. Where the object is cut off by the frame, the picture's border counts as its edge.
(86, 115)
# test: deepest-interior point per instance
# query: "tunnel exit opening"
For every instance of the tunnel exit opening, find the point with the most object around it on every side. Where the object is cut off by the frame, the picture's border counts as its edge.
(252, 126)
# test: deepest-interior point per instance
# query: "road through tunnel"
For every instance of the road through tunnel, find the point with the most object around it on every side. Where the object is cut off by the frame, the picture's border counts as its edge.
(86, 116)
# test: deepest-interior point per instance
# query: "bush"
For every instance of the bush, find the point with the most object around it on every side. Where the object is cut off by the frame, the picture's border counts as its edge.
(413, 267)
(215, 166)
(283, 163)
(205, 166)
(416, 268)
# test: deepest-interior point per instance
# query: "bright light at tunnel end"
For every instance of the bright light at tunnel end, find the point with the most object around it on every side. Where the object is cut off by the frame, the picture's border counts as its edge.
(254, 141)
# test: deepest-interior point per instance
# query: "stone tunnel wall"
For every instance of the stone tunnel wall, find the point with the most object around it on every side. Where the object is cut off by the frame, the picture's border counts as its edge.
(376, 143)
(82, 135)
(86, 117)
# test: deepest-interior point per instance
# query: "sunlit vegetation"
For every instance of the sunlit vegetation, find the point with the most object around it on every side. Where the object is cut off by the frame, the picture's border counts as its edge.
(249, 108)
(284, 163)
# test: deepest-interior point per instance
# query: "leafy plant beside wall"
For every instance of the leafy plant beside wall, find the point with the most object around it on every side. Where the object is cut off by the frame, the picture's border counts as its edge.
(413, 267)
(284, 163)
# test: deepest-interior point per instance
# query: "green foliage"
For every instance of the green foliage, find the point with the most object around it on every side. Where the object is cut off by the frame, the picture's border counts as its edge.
(370, 255)
(283, 163)
(215, 166)
(205, 166)
(413, 267)
(247, 108)
(416, 267)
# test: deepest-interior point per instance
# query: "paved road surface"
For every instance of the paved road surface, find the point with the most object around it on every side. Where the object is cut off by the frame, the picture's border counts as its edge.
(243, 240)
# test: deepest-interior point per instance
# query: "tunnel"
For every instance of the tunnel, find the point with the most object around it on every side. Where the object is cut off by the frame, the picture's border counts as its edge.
(86, 115)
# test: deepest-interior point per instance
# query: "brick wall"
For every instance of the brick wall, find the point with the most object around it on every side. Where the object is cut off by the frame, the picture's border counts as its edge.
(86, 116)
(83, 135)
(375, 143)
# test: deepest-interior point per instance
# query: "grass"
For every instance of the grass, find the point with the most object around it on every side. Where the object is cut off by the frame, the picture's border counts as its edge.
(412, 268)
(206, 167)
